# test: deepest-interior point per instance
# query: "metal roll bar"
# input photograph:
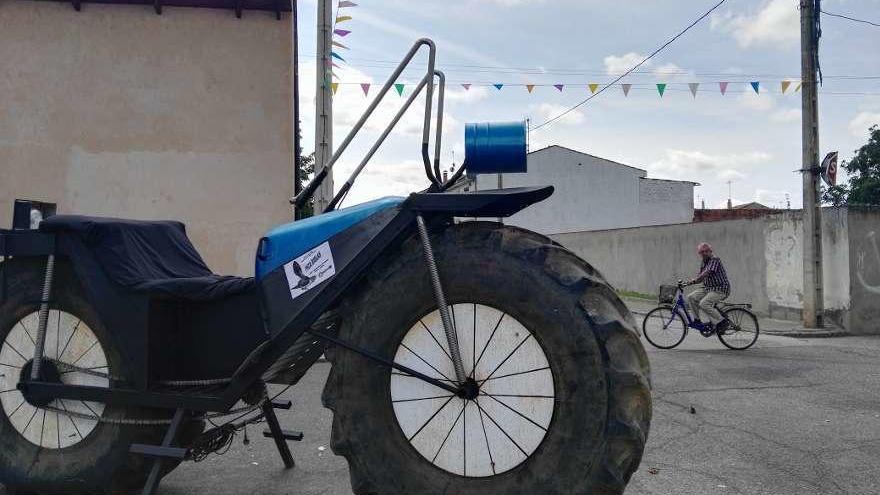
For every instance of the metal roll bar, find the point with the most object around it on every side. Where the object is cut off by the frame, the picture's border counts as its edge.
(300, 199)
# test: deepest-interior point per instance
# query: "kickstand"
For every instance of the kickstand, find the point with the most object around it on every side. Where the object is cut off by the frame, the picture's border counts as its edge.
(275, 432)
(161, 453)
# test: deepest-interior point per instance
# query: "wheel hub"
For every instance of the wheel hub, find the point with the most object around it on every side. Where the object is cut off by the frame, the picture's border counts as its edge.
(48, 373)
(469, 389)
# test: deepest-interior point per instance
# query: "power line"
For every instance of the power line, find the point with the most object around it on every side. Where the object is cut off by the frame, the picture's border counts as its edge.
(849, 18)
(649, 57)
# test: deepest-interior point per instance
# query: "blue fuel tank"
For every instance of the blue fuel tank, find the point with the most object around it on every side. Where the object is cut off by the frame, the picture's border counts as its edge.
(495, 147)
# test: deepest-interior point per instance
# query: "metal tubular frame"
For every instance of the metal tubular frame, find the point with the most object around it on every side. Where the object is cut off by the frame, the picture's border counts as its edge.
(307, 193)
(343, 191)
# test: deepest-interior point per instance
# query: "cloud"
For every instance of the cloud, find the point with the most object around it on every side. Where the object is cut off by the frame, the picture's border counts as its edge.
(773, 198)
(616, 65)
(777, 23)
(786, 115)
(671, 71)
(860, 124)
(476, 93)
(549, 110)
(687, 164)
(763, 102)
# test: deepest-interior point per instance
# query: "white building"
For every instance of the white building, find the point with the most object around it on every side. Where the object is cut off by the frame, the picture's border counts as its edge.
(592, 193)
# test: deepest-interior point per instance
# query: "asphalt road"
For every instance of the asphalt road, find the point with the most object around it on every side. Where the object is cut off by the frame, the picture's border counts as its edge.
(788, 416)
(785, 417)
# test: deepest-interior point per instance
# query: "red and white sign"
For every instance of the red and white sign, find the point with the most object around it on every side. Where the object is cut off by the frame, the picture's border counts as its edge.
(829, 169)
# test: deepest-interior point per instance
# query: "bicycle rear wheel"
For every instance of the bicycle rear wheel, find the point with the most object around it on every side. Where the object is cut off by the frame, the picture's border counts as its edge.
(743, 330)
(664, 328)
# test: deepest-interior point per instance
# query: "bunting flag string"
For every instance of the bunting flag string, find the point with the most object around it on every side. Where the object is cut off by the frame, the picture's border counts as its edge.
(662, 88)
(341, 33)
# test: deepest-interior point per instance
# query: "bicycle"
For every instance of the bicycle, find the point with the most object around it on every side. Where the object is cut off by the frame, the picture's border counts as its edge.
(666, 326)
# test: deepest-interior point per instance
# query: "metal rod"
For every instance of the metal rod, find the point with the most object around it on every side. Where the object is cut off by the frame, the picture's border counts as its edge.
(40, 343)
(297, 148)
(439, 131)
(348, 183)
(448, 327)
(298, 200)
(386, 362)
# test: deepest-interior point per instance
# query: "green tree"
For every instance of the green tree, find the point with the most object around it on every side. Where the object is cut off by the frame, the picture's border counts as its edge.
(864, 176)
(306, 172)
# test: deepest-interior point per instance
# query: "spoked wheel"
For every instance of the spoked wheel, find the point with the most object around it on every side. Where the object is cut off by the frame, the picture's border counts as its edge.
(664, 328)
(557, 397)
(507, 412)
(66, 446)
(743, 330)
(73, 356)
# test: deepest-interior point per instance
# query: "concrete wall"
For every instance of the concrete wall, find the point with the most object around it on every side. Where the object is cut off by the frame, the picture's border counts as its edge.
(763, 258)
(665, 201)
(116, 111)
(593, 193)
(864, 257)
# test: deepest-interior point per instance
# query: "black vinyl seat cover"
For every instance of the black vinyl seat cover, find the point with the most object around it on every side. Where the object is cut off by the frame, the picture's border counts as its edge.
(153, 257)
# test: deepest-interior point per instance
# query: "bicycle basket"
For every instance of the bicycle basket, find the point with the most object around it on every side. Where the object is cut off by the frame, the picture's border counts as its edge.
(667, 294)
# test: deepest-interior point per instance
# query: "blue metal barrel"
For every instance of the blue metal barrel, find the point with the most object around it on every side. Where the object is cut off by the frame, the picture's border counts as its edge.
(495, 147)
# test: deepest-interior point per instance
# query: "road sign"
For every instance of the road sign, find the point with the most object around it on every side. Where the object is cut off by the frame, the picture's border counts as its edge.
(829, 169)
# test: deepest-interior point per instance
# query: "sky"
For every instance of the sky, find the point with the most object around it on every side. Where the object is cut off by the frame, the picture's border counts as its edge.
(744, 143)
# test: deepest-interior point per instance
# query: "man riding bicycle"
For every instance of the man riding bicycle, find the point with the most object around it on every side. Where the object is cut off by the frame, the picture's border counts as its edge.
(715, 288)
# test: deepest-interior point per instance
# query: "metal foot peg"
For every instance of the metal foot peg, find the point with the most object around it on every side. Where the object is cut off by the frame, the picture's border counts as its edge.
(290, 435)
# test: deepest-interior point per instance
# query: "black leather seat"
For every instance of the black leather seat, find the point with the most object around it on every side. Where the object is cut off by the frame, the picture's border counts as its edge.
(149, 257)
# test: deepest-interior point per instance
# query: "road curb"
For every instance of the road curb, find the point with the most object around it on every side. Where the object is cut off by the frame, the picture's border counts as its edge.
(806, 333)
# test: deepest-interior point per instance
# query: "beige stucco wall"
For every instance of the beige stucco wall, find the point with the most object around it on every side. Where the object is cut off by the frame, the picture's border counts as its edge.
(117, 111)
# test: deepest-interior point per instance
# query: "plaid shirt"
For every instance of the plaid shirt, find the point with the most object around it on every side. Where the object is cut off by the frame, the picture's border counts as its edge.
(715, 277)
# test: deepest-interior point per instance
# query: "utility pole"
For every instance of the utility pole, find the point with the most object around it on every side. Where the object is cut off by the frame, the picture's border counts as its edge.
(813, 293)
(297, 147)
(324, 103)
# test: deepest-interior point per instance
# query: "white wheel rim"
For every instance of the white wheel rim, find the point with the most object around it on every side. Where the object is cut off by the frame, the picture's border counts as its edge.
(505, 424)
(70, 341)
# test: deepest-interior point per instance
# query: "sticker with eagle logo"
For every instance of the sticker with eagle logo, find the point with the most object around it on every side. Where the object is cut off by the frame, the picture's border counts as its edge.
(309, 270)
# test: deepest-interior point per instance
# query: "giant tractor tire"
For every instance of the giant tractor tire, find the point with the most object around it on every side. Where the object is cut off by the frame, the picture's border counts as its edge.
(563, 405)
(54, 448)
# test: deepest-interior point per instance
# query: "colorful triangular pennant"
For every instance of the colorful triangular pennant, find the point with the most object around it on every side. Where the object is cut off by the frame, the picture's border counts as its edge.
(365, 87)
(798, 87)
(530, 87)
(336, 56)
(723, 87)
(559, 87)
(341, 32)
(334, 87)
(498, 86)
(466, 86)
(342, 18)
(756, 86)
(694, 87)
(661, 88)
(399, 88)
(626, 88)
(593, 87)
(346, 3)
(340, 45)
(785, 85)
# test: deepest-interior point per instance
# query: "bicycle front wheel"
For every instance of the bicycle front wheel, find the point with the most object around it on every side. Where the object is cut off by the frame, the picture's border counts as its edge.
(664, 328)
(743, 330)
